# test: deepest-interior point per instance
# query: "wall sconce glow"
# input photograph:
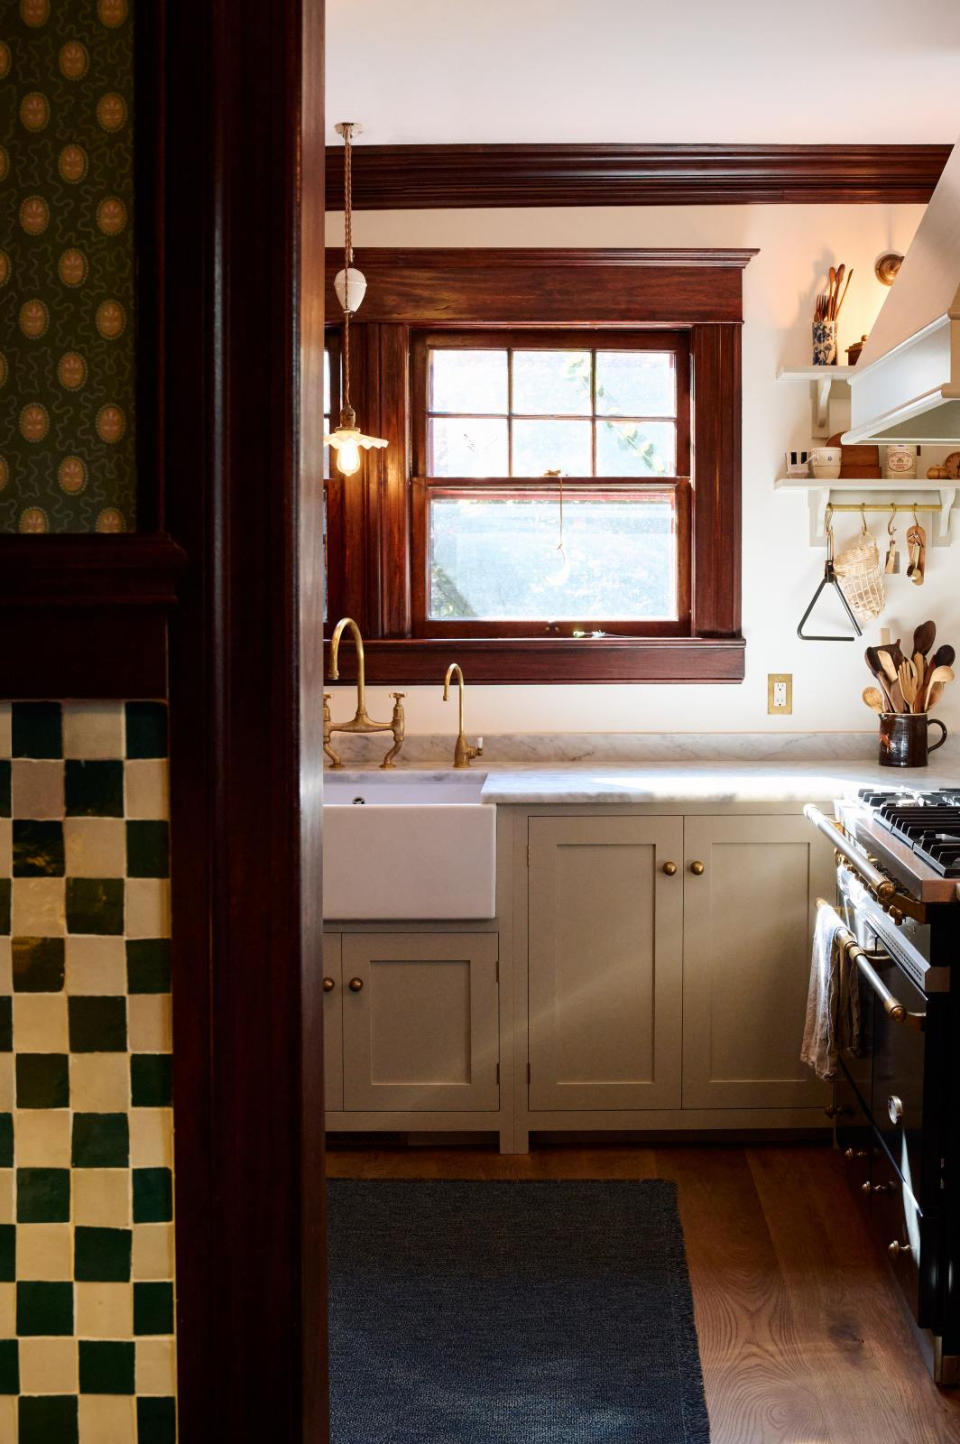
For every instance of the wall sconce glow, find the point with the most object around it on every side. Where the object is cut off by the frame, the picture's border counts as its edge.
(348, 441)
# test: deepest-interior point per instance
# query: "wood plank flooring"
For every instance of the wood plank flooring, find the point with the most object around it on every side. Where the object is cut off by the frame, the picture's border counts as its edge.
(801, 1333)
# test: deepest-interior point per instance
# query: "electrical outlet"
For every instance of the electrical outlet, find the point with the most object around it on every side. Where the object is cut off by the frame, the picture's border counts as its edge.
(780, 692)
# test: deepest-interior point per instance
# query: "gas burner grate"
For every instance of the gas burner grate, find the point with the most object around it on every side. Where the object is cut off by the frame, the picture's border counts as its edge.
(928, 822)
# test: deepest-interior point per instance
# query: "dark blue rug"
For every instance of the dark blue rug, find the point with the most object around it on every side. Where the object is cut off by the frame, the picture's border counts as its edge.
(511, 1313)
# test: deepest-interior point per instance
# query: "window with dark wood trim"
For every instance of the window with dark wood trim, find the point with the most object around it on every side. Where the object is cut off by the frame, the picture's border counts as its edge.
(421, 304)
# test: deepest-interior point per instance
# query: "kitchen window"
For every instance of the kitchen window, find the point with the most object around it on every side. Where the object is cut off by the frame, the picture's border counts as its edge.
(602, 544)
(617, 372)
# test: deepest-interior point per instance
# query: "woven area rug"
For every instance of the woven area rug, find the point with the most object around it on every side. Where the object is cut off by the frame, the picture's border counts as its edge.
(511, 1313)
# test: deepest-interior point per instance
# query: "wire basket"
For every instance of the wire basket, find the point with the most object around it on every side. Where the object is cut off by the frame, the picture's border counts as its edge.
(860, 576)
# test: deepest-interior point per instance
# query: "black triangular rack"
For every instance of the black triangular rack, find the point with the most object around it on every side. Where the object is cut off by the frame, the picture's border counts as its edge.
(829, 579)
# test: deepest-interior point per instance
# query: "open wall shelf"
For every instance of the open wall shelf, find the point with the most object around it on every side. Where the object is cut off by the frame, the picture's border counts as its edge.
(821, 379)
(936, 498)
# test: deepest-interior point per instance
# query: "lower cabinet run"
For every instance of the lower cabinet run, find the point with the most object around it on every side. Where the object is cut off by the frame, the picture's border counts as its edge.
(411, 1026)
(653, 976)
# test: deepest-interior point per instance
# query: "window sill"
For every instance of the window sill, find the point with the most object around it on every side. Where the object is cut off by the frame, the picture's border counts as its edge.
(546, 660)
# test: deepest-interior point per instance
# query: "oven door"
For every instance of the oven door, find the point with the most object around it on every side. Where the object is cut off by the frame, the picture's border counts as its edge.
(896, 1101)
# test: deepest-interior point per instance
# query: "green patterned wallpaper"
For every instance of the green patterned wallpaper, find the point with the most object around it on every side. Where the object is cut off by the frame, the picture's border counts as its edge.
(67, 458)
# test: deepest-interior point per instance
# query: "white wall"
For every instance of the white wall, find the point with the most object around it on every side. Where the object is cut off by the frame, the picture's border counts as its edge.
(780, 568)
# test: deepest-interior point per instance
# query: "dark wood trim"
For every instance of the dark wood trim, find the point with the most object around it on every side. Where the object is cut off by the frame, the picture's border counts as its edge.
(547, 660)
(85, 617)
(415, 177)
(715, 357)
(493, 287)
(243, 92)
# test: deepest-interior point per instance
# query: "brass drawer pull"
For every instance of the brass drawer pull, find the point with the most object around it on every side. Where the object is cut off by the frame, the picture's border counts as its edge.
(356, 985)
(852, 1153)
(328, 985)
(697, 868)
(669, 868)
(899, 1250)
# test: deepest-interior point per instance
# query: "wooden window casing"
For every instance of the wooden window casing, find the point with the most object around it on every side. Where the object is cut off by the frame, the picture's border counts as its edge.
(377, 519)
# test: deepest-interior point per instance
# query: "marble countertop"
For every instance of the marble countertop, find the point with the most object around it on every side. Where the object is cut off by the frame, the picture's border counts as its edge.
(703, 782)
(720, 782)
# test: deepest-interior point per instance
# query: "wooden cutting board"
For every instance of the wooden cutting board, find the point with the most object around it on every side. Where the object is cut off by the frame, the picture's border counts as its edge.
(857, 461)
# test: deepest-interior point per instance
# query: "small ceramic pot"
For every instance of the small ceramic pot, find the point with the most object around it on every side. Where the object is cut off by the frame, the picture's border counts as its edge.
(901, 461)
(825, 462)
(904, 741)
(824, 343)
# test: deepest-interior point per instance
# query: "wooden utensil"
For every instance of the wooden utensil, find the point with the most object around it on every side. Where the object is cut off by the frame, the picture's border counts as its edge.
(891, 671)
(917, 544)
(872, 660)
(924, 637)
(939, 678)
(944, 656)
(908, 684)
(874, 699)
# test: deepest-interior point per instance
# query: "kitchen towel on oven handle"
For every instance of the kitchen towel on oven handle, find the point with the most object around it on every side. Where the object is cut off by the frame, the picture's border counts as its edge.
(833, 999)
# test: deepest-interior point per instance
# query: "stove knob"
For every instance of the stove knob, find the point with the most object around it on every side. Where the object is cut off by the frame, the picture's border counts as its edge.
(899, 1250)
(894, 1109)
(851, 1153)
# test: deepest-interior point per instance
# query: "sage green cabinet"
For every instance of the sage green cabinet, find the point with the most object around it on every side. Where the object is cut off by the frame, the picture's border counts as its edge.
(605, 928)
(748, 924)
(418, 1019)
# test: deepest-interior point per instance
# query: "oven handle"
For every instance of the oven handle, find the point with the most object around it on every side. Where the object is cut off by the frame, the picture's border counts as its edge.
(892, 1006)
(882, 888)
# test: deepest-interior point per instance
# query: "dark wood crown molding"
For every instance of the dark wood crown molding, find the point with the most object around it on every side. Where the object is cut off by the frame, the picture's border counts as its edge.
(418, 177)
(439, 286)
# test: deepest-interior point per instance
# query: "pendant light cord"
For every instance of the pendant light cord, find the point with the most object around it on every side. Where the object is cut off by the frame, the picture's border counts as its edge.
(347, 256)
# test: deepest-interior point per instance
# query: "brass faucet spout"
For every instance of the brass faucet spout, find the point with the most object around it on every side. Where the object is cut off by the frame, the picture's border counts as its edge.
(338, 632)
(463, 753)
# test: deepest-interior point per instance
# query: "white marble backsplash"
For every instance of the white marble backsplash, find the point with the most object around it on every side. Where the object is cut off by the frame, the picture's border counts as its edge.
(613, 748)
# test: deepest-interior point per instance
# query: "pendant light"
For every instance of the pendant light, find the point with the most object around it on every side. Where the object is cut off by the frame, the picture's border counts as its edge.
(350, 285)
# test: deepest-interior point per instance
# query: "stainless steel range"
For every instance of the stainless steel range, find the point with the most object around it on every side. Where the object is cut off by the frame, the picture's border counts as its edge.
(896, 1107)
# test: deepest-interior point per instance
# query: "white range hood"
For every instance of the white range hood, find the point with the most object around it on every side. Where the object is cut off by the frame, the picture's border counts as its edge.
(906, 386)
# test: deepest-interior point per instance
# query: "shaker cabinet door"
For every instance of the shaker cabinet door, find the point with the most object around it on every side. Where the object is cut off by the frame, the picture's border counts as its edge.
(748, 920)
(605, 962)
(421, 1025)
(332, 1023)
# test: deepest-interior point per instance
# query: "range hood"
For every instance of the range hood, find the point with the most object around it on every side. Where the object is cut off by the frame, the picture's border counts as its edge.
(906, 386)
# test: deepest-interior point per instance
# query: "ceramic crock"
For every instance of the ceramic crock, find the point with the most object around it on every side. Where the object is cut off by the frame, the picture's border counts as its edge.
(904, 740)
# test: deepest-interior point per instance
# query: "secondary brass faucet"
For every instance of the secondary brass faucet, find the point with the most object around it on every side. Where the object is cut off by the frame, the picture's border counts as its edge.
(361, 722)
(463, 753)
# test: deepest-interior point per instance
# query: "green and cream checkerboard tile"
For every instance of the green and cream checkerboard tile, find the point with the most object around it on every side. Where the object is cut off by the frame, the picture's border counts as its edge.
(87, 1351)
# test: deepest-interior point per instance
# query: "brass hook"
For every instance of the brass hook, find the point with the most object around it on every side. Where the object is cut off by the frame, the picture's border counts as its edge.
(891, 524)
(863, 518)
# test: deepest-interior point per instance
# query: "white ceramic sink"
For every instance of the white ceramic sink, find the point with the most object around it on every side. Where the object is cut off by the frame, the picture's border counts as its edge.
(413, 845)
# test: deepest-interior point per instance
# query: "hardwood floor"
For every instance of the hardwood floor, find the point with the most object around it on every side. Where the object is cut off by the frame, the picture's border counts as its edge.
(802, 1337)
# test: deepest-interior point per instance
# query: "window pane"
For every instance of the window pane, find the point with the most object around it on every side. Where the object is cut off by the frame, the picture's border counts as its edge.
(636, 383)
(468, 381)
(552, 383)
(636, 448)
(468, 446)
(497, 559)
(540, 446)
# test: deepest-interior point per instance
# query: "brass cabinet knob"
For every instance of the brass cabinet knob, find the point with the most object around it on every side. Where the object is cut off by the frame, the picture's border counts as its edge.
(356, 985)
(697, 869)
(851, 1153)
(899, 1250)
(669, 868)
(328, 985)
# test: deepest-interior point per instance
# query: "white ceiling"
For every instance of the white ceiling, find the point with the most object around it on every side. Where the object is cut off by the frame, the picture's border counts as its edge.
(733, 71)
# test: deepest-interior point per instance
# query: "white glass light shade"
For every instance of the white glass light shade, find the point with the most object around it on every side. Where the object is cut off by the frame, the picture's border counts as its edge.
(346, 442)
(351, 287)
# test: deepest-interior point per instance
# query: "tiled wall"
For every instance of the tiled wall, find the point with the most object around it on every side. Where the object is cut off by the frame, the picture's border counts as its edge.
(86, 1122)
(67, 461)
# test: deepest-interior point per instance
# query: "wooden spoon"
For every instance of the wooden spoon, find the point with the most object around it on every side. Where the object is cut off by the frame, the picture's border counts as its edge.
(872, 659)
(874, 699)
(924, 637)
(908, 684)
(939, 678)
(944, 656)
(886, 662)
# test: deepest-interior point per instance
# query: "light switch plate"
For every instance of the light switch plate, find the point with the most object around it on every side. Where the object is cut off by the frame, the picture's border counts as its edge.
(780, 693)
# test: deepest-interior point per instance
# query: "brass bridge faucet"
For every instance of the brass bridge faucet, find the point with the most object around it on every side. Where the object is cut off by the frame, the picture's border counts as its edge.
(361, 722)
(463, 753)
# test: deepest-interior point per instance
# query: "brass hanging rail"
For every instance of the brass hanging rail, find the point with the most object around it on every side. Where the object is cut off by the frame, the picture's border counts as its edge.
(888, 507)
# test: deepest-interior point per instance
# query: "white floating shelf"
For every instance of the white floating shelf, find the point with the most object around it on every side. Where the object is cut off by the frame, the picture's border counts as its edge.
(925, 491)
(823, 378)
